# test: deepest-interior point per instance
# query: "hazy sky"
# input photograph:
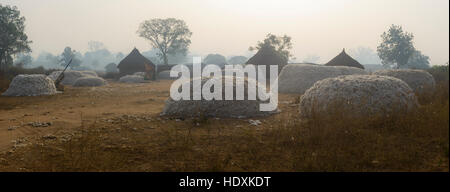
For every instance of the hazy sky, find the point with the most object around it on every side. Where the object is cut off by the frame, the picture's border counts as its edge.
(229, 27)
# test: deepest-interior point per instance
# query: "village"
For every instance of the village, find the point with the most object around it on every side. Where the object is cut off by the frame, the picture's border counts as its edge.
(150, 111)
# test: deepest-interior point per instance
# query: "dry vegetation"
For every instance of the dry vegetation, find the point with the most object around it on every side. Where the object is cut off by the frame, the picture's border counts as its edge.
(148, 142)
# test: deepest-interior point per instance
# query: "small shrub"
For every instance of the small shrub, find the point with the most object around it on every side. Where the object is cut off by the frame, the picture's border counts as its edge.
(440, 73)
(4, 82)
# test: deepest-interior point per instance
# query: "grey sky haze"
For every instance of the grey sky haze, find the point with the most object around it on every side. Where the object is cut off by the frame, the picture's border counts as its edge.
(229, 27)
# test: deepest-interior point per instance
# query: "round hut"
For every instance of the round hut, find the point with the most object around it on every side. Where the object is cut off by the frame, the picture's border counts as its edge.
(344, 60)
(136, 62)
(268, 56)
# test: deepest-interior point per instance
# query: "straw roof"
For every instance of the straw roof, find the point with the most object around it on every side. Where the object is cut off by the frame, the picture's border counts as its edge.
(134, 62)
(344, 60)
(268, 56)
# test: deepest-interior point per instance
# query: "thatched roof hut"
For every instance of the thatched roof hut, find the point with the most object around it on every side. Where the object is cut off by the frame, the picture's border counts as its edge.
(135, 62)
(344, 60)
(268, 56)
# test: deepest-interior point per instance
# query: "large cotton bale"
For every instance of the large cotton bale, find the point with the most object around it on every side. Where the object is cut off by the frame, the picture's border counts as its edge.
(71, 76)
(297, 78)
(420, 81)
(139, 74)
(132, 79)
(91, 73)
(30, 85)
(89, 82)
(218, 108)
(357, 96)
(166, 73)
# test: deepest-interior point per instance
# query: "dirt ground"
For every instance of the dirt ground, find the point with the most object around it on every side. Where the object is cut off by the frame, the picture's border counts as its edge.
(68, 110)
(76, 105)
(118, 127)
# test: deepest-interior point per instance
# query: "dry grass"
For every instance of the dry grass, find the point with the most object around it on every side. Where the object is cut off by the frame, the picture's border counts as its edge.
(440, 72)
(4, 82)
(409, 142)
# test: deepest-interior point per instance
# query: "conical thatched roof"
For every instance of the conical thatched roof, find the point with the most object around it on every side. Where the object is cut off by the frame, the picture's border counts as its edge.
(344, 60)
(268, 56)
(134, 62)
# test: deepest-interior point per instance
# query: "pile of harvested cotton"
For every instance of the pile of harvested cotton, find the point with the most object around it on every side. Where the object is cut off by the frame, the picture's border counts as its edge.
(30, 85)
(297, 78)
(71, 76)
(356, 96)
(91, 73)
(420, 81)
(89, 82)
(139, 74)
(219, 108)
(132, 79)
